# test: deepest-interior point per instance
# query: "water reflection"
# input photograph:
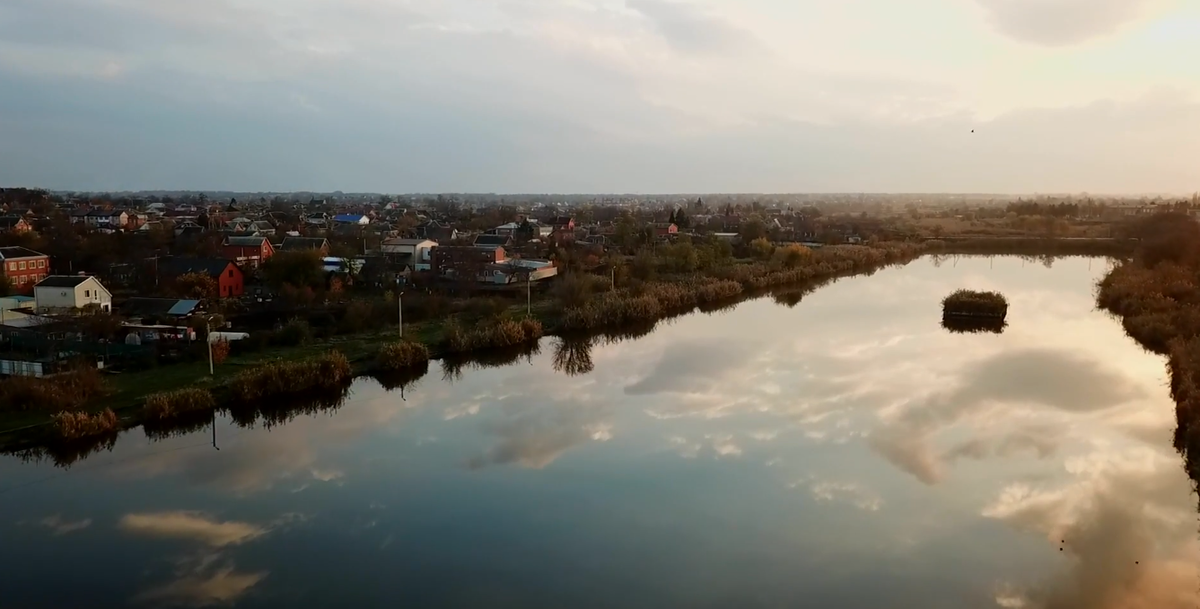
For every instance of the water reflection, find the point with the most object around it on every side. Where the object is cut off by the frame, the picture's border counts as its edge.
(844, 452)
(966, 325)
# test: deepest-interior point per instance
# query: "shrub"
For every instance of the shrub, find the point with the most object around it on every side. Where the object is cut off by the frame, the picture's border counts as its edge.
(220, 351)
(404, 354)
(491, 335)
(168, 404)
(294, 333)
(76, 425)
(329, 371)
(968, 302)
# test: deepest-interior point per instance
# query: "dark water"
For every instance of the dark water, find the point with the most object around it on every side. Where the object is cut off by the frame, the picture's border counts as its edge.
(843, 452)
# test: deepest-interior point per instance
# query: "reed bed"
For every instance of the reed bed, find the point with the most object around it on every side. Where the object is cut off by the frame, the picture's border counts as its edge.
(281, 378)
(401, 355)
(72, 425)
(494, 334)
(975, 304)
(171, 404)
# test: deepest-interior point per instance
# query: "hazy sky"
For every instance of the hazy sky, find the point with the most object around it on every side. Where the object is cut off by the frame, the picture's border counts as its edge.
(602, 95)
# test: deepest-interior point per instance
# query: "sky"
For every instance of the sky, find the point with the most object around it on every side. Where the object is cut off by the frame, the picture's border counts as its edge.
(577, 96)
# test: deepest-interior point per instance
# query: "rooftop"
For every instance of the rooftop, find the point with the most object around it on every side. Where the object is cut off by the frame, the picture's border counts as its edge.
(14, 252)
(63, 281)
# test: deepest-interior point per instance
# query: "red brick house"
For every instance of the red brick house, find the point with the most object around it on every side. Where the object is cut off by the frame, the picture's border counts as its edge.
(663, 229)
(247, 251)
(231, 281)
(14, 224)
(564, 229)
(24, 267)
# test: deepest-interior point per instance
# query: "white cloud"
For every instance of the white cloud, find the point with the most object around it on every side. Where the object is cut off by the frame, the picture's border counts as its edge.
(62, 527)
(192, 526)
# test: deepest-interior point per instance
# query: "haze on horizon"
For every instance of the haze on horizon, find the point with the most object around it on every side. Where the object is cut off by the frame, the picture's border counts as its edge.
(601, 95)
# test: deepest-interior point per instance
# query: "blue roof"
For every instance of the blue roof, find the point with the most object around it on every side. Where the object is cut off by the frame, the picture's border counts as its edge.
(349, 217)
(183, 307)
(21, 298)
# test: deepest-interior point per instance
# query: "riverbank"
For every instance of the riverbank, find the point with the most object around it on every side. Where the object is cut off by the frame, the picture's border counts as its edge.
(639, 305)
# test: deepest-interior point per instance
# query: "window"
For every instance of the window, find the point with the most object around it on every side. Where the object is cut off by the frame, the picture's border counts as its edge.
(41, 264)
(231, 273)
(20, 280)
(12, 266)
(22, 266)
(87, 293)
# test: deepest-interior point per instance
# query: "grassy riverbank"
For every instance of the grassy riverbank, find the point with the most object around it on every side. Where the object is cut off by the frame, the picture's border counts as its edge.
(154, 395)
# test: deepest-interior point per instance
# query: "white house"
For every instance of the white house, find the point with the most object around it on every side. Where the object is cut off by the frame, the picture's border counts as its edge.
(61, 292)
(416, 252)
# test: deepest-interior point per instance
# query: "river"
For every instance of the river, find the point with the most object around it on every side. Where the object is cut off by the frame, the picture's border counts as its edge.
(843, 452)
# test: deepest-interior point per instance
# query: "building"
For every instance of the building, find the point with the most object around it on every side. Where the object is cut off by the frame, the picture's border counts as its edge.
(14, 224)
(358, 219)
(305, 244)
(24, 267)
(231, 281)
(663, 229)
(101, 218)
(65, 292)
(247, 251)
(490, 241)
(415, 253)
(140, 308)
(459, 260)
(442, 233)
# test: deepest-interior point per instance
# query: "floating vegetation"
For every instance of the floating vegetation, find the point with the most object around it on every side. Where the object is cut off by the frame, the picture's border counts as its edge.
(969, 303)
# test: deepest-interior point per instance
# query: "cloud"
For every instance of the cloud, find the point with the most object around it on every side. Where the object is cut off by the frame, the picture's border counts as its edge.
(690, 29)
(1059, 380)
(222, 586)
(191, 526)
(535, 435)
(844, 492)
(1064, 22)
(62, 527)
(1125, 520)
(694, 367)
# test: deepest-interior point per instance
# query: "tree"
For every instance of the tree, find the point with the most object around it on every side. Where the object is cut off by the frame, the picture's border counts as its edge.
(297, 269)
(644, 265)
(752, 229)
(5, 285)
(196, 286)
(681, 219)
(762, 248)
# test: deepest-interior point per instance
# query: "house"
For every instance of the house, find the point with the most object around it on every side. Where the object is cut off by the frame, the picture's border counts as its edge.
(102, 218)
(442, 233)
(663, 229)
(230, 279)
(563, 229)
(358, 219)
(24, 267)
(263, 227)
(519, 270)
(62, 292)
(490, 241)
(470, 259)
(186, 227)
(415, 253)
(14, 224)
(247, 251)
(305, 244)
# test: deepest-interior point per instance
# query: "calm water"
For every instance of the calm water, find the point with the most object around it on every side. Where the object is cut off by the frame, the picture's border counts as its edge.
(843, 452)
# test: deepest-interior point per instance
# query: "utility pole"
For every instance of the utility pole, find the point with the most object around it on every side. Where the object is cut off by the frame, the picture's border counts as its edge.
(400, 312)
(208, 339)
(528, 292)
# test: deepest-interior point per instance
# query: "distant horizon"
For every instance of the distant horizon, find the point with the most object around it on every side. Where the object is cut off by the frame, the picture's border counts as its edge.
(168, 191)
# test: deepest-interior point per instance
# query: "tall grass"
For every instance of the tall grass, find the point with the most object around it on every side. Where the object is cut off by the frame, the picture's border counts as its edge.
(491, 335)
(171, 404)
(71, 425)
(281, 378)
(969, 302)
(67, 391)
(404, 354)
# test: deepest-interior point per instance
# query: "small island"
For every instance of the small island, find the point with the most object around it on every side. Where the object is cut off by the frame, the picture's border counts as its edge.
(975, 305)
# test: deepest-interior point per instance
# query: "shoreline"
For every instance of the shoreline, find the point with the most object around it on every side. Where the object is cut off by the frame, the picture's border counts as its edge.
(32, 437)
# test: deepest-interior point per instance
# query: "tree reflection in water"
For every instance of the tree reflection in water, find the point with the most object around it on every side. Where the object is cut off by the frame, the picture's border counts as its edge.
(573, 356)
(960, 325)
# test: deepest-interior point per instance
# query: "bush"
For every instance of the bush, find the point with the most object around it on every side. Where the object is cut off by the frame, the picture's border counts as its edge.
(66, 391)
(329, 371)
(968, 302)
(358, 316)
(491, 335)
(293, 334)
(76, 425)
(486, 308)
(170, 404)
(404, 354)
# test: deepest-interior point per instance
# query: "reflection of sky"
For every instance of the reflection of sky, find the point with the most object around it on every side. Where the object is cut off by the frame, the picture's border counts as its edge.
(844, 452)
